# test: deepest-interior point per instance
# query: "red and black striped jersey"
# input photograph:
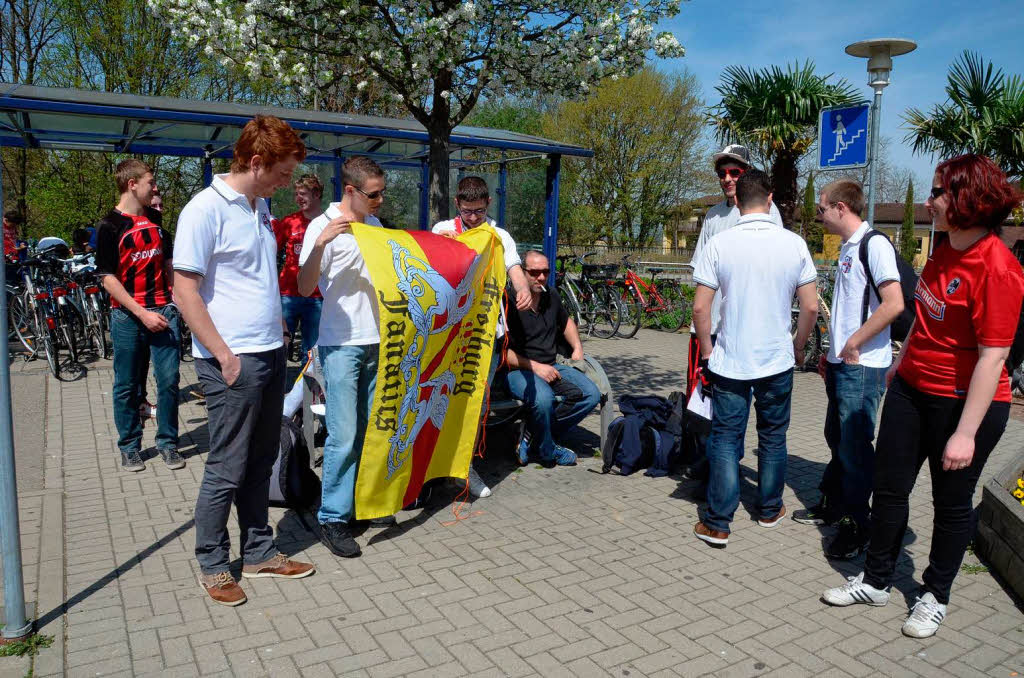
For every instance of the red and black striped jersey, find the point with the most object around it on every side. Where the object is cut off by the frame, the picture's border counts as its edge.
(135, 250)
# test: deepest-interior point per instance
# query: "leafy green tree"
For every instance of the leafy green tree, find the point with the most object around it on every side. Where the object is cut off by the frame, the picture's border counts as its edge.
(439, 58)
(810, 229)
(775, 113)
(648, 156)
(908, 243)
(983, 113)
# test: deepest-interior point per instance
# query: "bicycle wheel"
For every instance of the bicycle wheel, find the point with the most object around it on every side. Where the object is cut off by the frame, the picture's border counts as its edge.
(186, 343)
(570, 300)
(71, 328)
(632, 312)
(672, 317)
(50, 345)
(813, 347)
(607, 313)
(101, 325)
(22, 325)
(94, 331)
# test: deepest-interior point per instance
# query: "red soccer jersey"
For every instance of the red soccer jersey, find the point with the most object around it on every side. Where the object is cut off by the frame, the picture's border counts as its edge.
(290, 231)
(134, 249)
(963, 299)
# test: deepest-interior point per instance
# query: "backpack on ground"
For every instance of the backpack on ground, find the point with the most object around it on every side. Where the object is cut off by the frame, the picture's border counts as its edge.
(642, 437)
(293, 484)
(900, 327)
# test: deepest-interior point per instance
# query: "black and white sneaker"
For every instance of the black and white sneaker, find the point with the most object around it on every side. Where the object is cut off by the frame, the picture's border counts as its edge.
(173, 460)
(855, 591)
(132, 461)
(818, 514)
(925, 618)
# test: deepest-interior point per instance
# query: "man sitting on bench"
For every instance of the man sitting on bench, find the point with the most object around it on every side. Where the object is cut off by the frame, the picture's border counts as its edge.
(533, 377)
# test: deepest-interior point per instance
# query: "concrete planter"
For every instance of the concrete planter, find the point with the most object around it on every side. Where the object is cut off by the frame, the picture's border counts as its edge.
(1000, 538)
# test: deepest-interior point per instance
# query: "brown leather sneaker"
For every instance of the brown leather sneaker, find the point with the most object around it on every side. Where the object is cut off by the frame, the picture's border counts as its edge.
(222, 588)
(279, 566)
(716, 538)
(774, 520)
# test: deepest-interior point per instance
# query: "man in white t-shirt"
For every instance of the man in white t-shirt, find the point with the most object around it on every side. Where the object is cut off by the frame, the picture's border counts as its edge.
(757, 266)
(472, 198)
(348, 343)
(854, 370)
(225, 284)
(730, 164)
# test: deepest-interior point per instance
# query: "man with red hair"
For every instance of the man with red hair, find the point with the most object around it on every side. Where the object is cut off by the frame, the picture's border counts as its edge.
(225, 282)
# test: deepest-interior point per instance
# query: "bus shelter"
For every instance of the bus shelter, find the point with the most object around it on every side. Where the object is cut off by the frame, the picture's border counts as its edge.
(79, 120)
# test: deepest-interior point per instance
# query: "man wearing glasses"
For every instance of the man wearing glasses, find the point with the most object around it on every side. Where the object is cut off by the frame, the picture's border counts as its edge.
(730, 164)
(867, 298)
(348, 342)
(472, 200)
(533, 377)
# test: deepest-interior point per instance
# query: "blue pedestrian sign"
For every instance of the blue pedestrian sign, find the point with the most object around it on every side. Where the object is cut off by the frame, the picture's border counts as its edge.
(843, 137)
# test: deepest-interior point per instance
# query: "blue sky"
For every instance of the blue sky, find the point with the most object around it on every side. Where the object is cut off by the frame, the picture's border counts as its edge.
(720, 33)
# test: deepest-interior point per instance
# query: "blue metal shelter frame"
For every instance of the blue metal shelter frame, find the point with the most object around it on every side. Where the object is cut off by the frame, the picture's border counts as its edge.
(70, 119)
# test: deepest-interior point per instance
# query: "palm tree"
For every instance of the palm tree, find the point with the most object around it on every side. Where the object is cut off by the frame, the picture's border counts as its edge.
(984, 113)
(775, 113)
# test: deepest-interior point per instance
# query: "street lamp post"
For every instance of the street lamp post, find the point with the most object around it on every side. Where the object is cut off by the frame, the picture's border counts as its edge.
(879, 53)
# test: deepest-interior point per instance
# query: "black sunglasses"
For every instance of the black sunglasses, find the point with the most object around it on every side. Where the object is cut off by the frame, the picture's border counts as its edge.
(937, 191)
(734, 172)
(375, 195)
(538, 271)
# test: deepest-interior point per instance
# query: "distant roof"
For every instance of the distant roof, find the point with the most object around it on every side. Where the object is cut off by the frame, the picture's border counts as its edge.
(73, 119)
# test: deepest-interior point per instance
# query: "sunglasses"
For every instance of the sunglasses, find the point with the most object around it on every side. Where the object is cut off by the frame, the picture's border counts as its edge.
(535, 272)
(375, 195)
(473, 213)
(733, 172)
(937, 191)
(822, 210)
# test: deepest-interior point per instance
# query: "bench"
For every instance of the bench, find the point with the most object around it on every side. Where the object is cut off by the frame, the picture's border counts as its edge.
(503, 408)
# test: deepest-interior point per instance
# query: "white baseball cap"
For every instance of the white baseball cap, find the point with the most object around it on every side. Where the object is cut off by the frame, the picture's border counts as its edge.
(732, 152)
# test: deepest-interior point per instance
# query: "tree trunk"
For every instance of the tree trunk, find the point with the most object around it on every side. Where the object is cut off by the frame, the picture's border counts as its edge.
(439, 176)
(784, 174)
(439, 129)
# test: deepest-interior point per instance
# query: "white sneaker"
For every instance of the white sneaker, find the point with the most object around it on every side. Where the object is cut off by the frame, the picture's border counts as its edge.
(925, 618)
(856, 591)
(477, 486)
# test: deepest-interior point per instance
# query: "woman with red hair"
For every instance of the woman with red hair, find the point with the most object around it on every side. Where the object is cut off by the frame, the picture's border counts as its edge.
(949, 397)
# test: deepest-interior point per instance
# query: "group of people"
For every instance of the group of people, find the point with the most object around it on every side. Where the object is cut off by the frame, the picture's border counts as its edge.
(948, 390)
(221, 276)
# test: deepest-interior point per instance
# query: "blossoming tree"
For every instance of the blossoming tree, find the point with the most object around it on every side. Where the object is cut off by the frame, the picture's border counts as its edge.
(439, 57)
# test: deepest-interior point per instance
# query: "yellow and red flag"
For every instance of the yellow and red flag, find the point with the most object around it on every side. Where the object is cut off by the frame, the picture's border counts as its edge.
(439, 300)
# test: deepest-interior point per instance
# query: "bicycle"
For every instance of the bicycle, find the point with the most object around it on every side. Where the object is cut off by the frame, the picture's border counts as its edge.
(644, 301)
(87, 295)
(819, 340)
(599, 308)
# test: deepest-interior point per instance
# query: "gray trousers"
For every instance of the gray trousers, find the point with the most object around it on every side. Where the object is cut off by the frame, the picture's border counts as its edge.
(245, 434)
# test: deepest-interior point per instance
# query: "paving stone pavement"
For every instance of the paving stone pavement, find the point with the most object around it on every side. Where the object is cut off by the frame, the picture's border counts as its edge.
(562, 572)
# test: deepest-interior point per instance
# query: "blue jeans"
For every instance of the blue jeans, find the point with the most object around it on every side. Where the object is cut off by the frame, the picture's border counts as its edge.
(545, 420)
(731, 409)
(134, 346)
(854, 392)
(350, 373)
(307, 311)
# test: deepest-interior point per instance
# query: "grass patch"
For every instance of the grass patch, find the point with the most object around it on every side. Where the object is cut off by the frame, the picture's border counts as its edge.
(973, 569)
(30, 646)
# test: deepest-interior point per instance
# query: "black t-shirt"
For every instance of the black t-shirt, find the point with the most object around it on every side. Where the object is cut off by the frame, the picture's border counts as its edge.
(536, 335)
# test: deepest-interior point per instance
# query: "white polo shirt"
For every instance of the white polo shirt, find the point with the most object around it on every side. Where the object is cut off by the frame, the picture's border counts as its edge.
(848, 297)
(718, 219)
(511, 256)
(232, 246)
(349, 315)
(756, 266)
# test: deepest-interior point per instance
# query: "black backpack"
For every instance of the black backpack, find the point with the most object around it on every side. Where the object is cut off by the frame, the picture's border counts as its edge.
(646, 436)
(900, 327)
(293, 483)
